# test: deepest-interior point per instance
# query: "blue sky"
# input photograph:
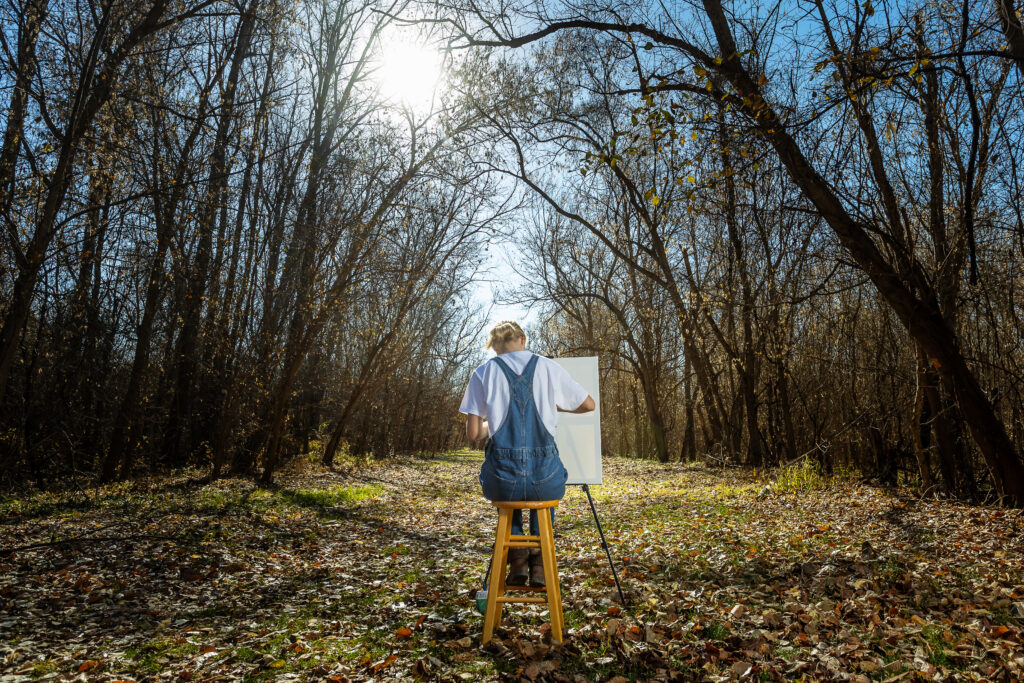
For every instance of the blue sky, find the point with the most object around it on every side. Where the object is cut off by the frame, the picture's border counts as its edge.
(496, 275)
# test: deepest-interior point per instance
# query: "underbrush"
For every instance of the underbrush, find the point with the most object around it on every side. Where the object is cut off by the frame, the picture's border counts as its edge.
(806, 475)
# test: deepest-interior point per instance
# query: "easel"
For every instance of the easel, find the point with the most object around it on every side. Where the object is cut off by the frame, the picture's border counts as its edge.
(604, 544)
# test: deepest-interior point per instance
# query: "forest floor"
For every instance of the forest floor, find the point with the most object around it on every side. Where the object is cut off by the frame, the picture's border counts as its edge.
(368, 574)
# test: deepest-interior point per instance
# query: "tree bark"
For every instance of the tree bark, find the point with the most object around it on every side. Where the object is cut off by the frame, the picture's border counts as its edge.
(1010, 21)
(922, 427)
(748, 369)
(28, 35)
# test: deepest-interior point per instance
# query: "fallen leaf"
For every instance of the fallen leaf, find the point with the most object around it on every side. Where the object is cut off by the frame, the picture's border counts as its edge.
(741, 669)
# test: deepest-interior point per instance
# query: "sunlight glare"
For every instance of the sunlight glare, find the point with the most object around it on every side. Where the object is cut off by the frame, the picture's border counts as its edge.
(409, 72)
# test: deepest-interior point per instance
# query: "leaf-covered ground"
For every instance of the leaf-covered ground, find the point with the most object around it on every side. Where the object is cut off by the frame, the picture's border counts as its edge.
(368, 575)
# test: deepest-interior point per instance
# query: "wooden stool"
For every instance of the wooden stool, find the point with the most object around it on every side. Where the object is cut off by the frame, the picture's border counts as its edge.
(503, 540)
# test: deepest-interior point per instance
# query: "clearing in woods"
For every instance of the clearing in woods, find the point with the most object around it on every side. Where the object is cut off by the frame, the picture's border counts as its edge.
(367, 574)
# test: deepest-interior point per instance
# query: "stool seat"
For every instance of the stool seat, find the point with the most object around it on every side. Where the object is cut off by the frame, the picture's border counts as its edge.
(524, 504)
(545, 542)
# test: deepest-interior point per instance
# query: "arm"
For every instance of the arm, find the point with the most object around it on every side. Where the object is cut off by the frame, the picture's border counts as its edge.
(476, 428)
(474, 407)
(585, 407)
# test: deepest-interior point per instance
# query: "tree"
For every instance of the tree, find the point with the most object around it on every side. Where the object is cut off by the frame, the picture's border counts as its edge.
(875, 236)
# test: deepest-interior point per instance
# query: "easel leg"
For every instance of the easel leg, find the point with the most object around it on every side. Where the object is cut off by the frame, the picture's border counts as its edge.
(604, 544)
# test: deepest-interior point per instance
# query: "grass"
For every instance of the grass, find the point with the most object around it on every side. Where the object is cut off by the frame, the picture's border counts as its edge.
(331, 497)
(181, 496)
(891, 656)
(153, 655)
(937, 639)
(716, 631)
(1002, 616)
(40, 669)
(785, 652)
(891, 568)
(803, 475)
(573, 618)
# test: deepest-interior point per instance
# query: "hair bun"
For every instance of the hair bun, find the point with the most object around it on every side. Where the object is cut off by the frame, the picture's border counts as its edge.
(503, 333)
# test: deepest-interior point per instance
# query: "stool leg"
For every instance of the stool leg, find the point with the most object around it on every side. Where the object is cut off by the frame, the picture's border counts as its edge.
(495, 586)
(502, 587)
(547, 542)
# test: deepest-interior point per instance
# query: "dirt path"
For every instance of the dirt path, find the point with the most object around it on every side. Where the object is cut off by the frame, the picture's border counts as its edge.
(368, 575)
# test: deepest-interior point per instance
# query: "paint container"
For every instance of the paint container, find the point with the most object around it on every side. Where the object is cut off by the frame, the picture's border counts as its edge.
(481, 601)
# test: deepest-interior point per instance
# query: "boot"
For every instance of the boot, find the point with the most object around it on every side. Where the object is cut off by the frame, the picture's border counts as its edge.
(518, 569)
(536, 568)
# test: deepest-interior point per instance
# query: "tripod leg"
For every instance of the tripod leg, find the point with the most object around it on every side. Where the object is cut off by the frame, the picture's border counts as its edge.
(488, 574)
(604, 544)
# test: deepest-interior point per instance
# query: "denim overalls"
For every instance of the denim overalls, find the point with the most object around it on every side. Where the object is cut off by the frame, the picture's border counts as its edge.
(521, 459)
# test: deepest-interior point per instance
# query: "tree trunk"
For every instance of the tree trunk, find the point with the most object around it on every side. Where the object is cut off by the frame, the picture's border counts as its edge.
(922, 427)
(28, 34)
(787, 410)
(660, 442)
(748, 369)
(120, 452)
(688, 451)
(1010, 21)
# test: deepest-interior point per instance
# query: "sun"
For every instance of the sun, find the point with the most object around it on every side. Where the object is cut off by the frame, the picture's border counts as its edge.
(408, 71)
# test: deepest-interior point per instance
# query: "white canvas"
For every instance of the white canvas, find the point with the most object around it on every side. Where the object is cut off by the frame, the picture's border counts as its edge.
(579, 436)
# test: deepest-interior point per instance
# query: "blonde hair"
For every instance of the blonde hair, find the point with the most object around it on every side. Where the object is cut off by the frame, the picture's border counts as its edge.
(503, 333)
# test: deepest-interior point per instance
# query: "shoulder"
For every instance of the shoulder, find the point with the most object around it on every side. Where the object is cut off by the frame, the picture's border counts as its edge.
(484, 368)
(546, 362)
(549, 366)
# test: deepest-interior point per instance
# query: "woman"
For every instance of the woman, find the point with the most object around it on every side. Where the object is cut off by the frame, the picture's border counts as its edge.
(514, 398)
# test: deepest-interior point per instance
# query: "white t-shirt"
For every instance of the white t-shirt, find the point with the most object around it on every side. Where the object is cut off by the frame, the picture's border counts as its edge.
(488, 396)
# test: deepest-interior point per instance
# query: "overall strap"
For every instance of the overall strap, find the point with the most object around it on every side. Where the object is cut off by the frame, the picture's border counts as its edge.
(523, 427)
(527, 375)
(509, 375)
